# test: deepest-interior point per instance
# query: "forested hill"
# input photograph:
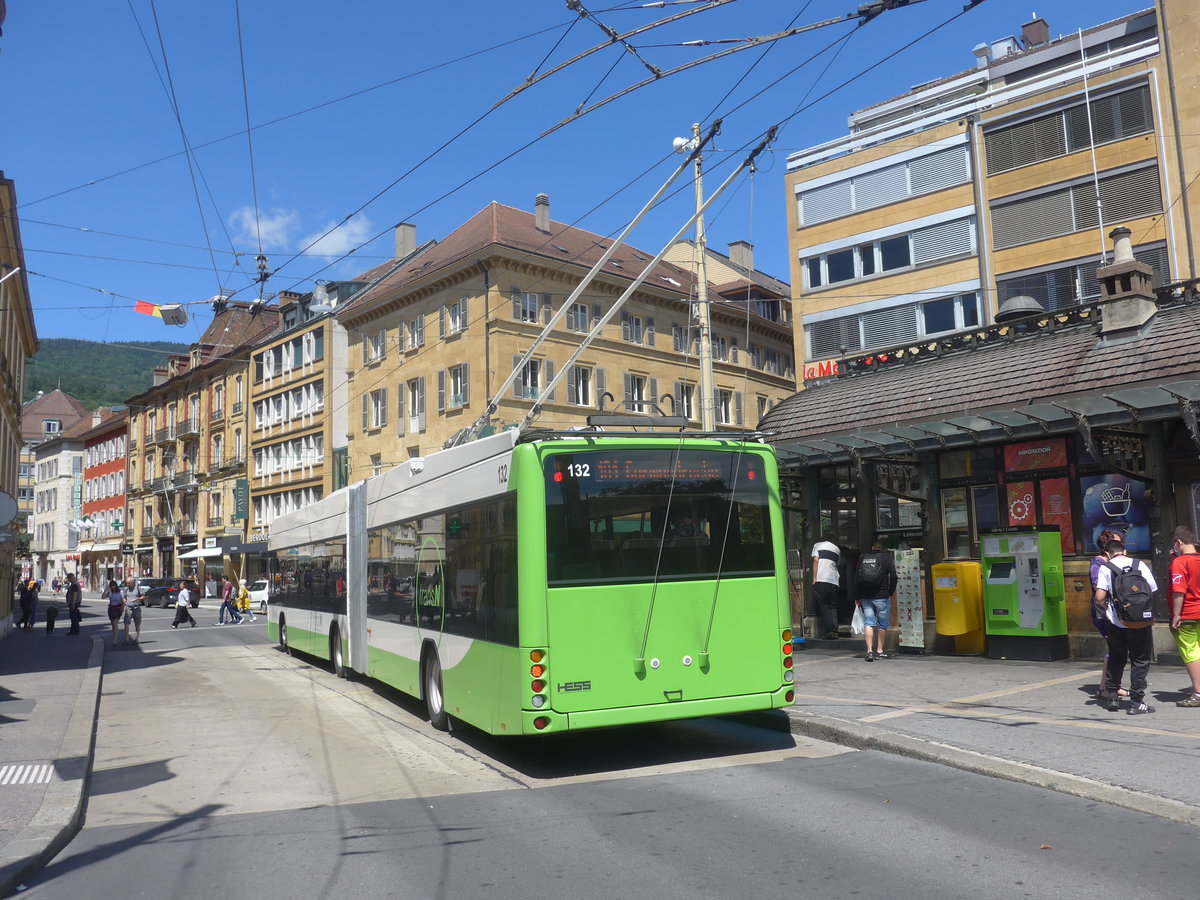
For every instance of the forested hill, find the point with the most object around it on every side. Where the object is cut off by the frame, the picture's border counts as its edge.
(98, 374)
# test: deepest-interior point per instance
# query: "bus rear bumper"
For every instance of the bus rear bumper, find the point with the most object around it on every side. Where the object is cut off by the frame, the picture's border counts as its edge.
(658, 712)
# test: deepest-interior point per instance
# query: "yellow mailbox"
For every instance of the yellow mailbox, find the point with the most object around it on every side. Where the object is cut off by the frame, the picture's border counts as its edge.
(958, 604)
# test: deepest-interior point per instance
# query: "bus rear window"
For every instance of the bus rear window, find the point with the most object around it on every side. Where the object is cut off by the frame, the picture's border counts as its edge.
(637, 515)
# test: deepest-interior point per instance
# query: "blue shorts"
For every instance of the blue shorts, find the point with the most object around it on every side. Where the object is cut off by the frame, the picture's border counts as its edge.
(876, 612)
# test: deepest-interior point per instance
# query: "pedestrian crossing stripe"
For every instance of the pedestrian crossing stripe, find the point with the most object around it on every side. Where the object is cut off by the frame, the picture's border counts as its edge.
(35, 773)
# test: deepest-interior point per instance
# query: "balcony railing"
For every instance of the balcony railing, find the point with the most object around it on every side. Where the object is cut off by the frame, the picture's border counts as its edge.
(237, 408)
(132, 443)
(188, 427)
(165, 435)
(159, 485)
(215, 521)
(217, 414)
(164, 530)
(185, 526)
(185, 480)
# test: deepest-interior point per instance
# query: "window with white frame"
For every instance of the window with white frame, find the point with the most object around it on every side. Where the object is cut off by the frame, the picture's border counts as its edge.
(416, 404)
(892, 326)
(636, 330)
(414, 333)
(374, 409)
(459, 385)
(685, 400)
(376, 464)
(729, 407)
(529, 385)
(579, 318)
(933, 243)
(639, 392)
(579, 386)
(527, 306)
(454, 317)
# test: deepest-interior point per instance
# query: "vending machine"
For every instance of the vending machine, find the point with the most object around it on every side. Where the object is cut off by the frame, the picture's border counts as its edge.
(1024, 607)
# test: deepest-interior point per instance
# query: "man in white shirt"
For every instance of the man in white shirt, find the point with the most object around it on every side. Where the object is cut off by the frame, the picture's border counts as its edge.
(183, 607)
(826, 557)
(1126, 639)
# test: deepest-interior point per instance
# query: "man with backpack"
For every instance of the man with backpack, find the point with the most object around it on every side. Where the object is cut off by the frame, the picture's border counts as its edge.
(1125, 589)
(876, 580)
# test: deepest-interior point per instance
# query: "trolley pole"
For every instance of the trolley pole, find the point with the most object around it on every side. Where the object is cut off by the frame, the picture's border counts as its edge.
(707, 388)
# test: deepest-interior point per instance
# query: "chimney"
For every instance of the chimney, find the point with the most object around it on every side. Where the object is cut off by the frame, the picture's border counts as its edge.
(983, 55)
(160, 376)
(1035, 32)
(541, 213)
(1126, 295)
(742, 254)
(406, 240)
(96, 418)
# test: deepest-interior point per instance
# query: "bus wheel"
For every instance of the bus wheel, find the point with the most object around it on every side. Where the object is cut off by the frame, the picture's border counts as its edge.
(335, 654)
(435, 701)
(283, 643)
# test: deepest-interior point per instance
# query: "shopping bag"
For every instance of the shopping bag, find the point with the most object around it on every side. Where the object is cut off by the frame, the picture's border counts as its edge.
(857, 624)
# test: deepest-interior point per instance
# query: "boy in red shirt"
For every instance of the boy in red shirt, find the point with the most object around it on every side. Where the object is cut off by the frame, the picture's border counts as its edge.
(1185, 606)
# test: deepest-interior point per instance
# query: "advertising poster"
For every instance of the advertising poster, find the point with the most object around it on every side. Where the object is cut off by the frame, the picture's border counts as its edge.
(1021, 509)
(1117, 503)
(1032, 455)
(1055, 495)
(910, 609)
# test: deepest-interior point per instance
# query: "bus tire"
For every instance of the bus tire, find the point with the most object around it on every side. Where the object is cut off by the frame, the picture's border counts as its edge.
(336, 661)
(435, 700)
(283, 641)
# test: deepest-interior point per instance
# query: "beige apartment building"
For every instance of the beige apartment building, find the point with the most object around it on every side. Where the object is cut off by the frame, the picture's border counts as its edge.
(297, 425)
(187, 485)
(998, 182)
(432, 338)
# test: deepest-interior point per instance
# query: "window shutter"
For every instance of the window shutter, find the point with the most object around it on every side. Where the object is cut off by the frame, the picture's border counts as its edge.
(889, 327)
(628, 389)
(383, 407)
(441, 397)
(572, 325)
(596, 314)
(547, 308)
(938, 171)
(366, 412)
(676, 338)
(515, 293)
(465, 313)
(830, 338)
(442, 322)
(944, 240)
(1032, 219)
(401, 389)
(421, 330)
(571, 394)
(549, 375)
(733, 350)
(466, 383)
(653, 390)
(649, 332)
(383, 343)
(600, 387)
(1128, 196)
(737, 407)
(366, 348)
(824, 203)
(421, 400)
(626, 331)
(677, 395)
(880, 187)
(518, 383)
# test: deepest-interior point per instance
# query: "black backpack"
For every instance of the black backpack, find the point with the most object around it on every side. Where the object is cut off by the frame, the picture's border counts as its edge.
(1131, 593)
(871, 575)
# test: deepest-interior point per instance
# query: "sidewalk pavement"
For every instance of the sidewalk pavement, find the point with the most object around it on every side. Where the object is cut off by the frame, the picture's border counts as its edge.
(1032, 722)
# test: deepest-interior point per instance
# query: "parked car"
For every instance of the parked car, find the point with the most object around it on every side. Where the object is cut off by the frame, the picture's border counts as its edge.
(259, 592)
(163, 591)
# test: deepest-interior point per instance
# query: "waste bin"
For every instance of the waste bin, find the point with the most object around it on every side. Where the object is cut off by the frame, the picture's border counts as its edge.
(958, 604)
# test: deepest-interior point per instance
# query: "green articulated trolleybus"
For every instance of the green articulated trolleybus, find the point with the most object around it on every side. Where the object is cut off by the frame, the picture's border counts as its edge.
(540, 581)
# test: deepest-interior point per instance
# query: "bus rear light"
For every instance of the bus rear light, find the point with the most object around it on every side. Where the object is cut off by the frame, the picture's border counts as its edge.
(537, 655)
(537, 671)
(541, 722)
(789, 676)
(787, 649)
(538, 686)
(787, 635)
(538, 701)
(790, 696)
(787, 662)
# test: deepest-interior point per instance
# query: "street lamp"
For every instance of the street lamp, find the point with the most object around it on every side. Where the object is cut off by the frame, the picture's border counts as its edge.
(707, 419)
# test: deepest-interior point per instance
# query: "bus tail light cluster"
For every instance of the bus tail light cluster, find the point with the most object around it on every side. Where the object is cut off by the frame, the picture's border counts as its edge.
(539, 684)
(788, 675)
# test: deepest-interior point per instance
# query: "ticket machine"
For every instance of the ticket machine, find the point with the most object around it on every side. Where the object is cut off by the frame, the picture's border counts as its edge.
(1024, 608)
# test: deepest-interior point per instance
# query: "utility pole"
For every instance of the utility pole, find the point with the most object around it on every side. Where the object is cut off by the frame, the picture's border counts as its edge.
(707, 390)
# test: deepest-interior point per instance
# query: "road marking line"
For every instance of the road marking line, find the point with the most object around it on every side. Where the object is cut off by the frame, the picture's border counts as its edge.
(40, 773)
(977, 698)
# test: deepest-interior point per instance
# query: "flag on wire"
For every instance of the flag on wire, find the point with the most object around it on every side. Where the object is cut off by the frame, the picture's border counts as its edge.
(149, 309)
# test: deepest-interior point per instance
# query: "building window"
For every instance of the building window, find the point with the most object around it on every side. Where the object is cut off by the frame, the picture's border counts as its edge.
(579, 386)
(578, 318)
(374, 409)
(729, 407)
(376, 464)
(891, 326)
(636, 330)
(640, 393)
(1061, 287)
(527, 306)
(416, 404)
(930, 244)
(530, 383)
(414, 333)
(454, 318)
(375, 346)
(685, 395)
(51, 426)
(454, 385)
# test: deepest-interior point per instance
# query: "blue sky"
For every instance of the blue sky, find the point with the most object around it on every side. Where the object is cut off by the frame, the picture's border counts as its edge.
(369, 113)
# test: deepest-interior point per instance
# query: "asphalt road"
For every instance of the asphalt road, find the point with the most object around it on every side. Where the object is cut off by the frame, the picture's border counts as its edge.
(226, 769)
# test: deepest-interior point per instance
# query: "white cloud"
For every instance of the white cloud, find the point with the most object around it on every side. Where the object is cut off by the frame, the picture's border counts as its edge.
(275, 225)
(341, 240)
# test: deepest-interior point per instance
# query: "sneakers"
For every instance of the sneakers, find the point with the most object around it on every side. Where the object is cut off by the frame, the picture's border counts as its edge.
(1192, 700)
(870, 657)
(881, 656)
(1139, 709)
(1112, 702)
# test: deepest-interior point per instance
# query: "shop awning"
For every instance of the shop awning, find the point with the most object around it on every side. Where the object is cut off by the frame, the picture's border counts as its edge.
(201, 551)
(101, 548)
